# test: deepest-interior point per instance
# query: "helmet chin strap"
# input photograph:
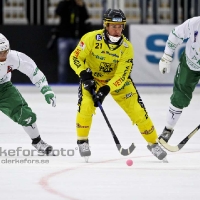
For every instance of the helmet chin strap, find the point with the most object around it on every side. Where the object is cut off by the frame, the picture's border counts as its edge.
(113, 39)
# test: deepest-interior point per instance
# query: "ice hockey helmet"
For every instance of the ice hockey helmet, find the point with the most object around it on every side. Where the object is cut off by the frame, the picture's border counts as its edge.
(114, 16)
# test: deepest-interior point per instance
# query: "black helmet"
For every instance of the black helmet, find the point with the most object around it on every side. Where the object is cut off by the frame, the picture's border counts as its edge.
(114, 16)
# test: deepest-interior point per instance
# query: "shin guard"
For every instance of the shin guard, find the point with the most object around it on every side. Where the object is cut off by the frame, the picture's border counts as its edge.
(148, 131)
(83, 124)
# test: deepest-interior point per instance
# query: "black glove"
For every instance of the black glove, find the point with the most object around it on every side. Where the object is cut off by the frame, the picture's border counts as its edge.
(88, 80)
(101, 94)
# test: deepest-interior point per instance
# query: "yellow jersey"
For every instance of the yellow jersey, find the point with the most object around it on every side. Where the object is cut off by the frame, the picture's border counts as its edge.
(110, 64)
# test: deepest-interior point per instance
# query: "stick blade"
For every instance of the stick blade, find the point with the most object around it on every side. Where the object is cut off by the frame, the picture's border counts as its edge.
(126, 152)
(168, 147)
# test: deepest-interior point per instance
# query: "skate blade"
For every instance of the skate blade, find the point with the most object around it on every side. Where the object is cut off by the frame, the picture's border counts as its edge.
(86, 158)
(165, 160)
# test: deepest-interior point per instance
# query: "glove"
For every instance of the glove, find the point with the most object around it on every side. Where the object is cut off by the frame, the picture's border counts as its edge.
(50, 97)
(88, 80)
(101, 94)
(164, 64)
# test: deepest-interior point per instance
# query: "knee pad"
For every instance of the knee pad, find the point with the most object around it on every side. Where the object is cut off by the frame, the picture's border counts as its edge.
(24, 117)
(180, 100)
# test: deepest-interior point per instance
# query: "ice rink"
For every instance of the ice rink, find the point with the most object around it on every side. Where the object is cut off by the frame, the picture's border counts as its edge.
(106, 176)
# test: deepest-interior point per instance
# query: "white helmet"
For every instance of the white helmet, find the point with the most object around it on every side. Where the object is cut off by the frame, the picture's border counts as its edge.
(4, 43)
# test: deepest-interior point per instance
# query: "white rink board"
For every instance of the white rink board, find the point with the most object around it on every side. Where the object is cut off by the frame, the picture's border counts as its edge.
(149, 42)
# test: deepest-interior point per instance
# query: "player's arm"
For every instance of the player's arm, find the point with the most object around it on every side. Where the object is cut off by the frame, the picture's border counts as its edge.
(79, 55)
(77, 62)
(175, 38)
(28, 67)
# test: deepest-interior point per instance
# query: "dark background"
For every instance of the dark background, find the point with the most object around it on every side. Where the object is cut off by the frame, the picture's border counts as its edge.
(32, 40)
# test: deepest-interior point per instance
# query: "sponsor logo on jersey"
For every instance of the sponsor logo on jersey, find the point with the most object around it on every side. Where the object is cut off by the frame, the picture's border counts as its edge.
(120, 80)
(35, 72)
(42, 80)
(9, 69)
(171, 45)
(125, 71)
(28, 120)
(130, 60)
(98, 57)
(194, 58)
(147, 132)
(77, 52)
(129, 95)
(76, 62)
(126, 84)
(111, 54)
(125, 44)
(192, 64)
(97, 74)
(80, 126)
(106, 67)
(195, 35)
(98, 37)
(82, 45)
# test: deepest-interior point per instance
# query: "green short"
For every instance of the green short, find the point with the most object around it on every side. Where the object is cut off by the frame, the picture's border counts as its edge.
(14, 106)
(185, 82)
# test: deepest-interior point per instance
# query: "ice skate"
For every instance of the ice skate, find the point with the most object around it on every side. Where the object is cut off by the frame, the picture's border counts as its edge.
(84, 149)
(158, 152)
(43, 148)
(166, 134)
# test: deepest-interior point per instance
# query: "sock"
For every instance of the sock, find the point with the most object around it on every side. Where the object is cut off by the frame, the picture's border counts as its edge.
(32, 131)
(173, 116)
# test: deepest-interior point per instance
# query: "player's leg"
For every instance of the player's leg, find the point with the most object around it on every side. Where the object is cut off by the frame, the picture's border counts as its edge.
(42, 147)
(130, 101)
(84, 120)
(15, 107)
(185, 82)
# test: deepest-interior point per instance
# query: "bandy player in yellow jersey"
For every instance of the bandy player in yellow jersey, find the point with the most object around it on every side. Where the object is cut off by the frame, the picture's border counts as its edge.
(104, 59)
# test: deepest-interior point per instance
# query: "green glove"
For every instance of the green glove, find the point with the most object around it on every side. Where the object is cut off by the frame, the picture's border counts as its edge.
(49, 95)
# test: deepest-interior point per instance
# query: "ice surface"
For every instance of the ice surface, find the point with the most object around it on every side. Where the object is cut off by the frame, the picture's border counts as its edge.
(106, 176)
